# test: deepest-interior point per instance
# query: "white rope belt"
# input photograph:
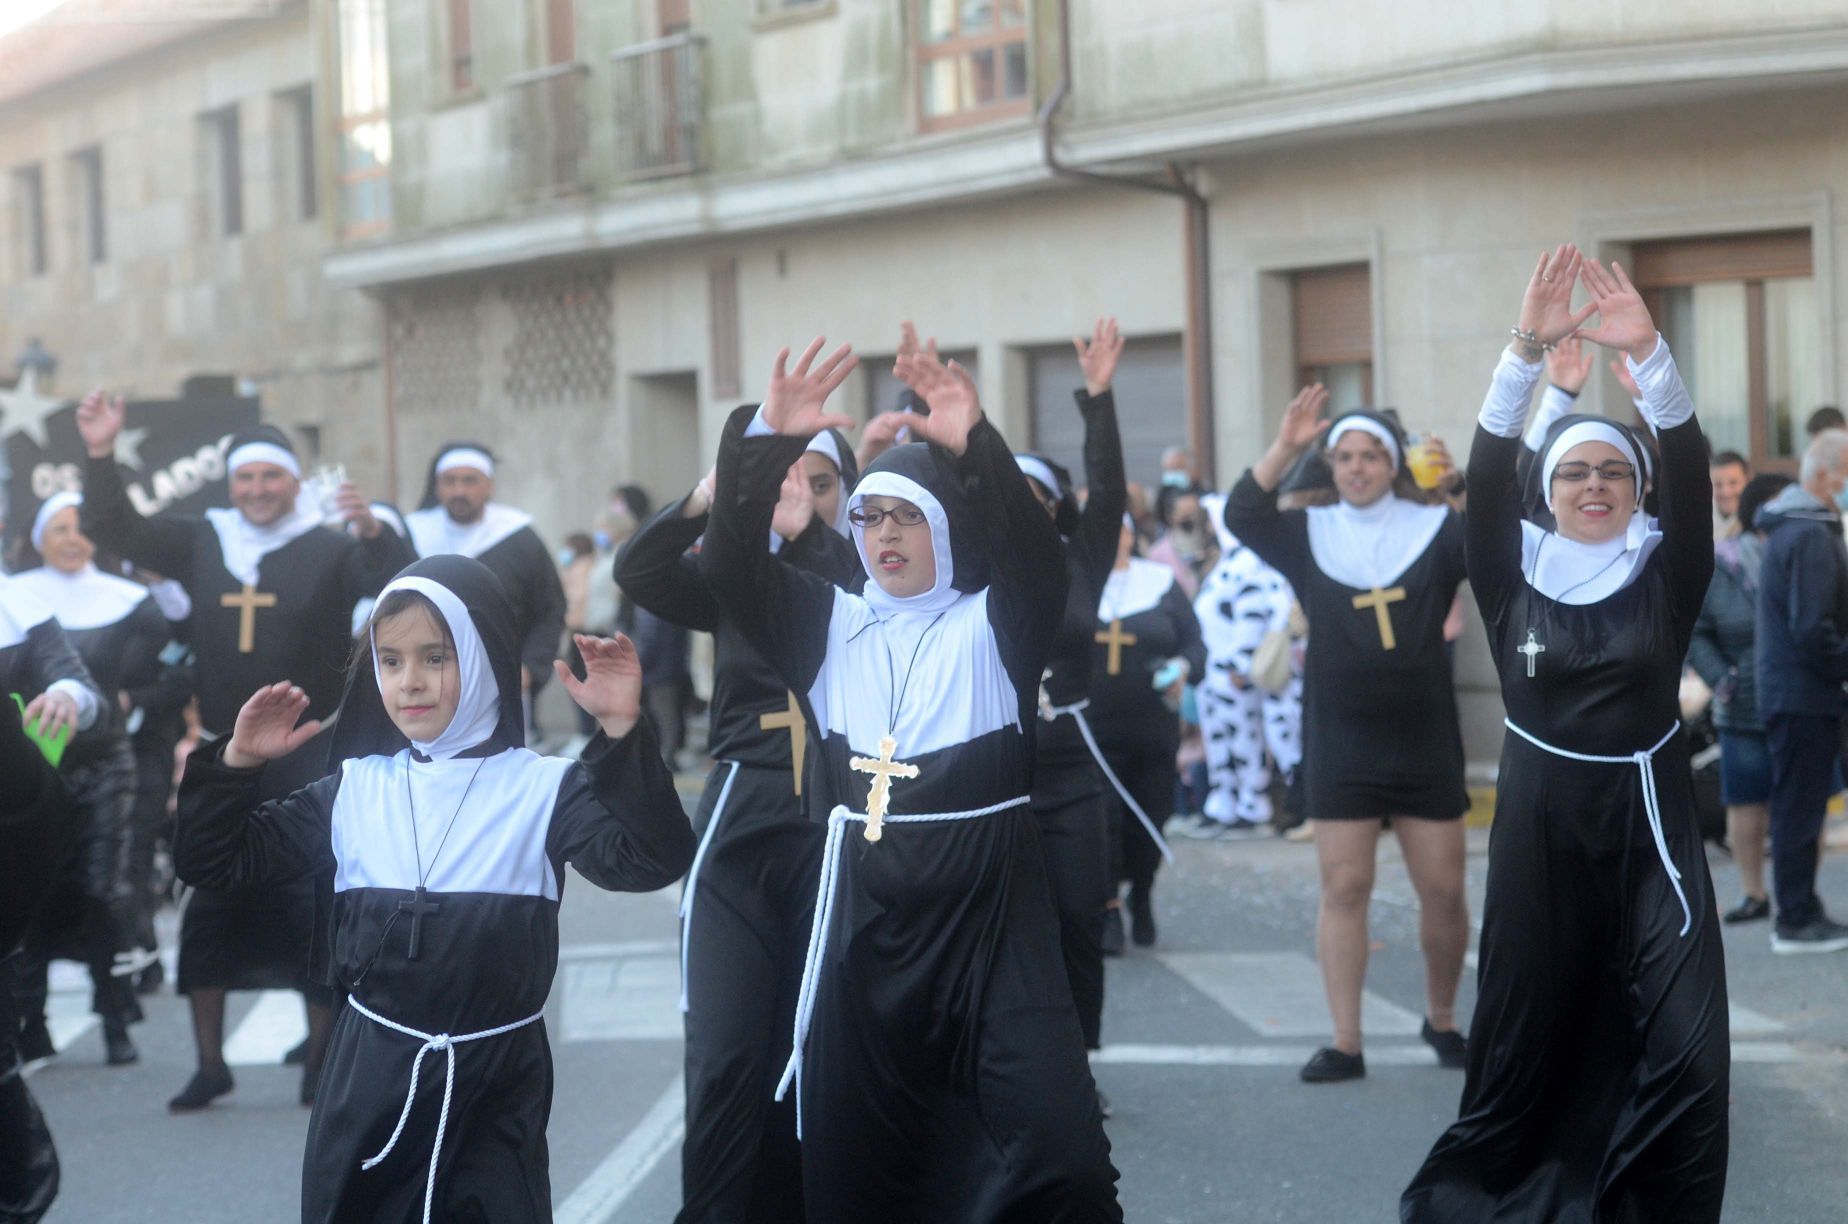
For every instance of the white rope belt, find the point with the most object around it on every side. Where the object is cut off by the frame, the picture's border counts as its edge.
(432, 1043)
(1076, 710)
(1652, 807)
(838, 820)
(687, 893)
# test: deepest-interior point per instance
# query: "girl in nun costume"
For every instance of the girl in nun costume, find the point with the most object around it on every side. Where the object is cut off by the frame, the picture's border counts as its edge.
(749, 900)
(946, 1075)
(1599, 1056)
(1377, 574)
(448, 840)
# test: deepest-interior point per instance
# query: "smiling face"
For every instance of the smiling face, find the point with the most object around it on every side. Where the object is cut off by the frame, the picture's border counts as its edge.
(419, 678)
(903, 558)
(1728, 482)
(824, 482)
(67, 549)
(464, 493)
(263, 492)
(1596, 508)
(1363, 468)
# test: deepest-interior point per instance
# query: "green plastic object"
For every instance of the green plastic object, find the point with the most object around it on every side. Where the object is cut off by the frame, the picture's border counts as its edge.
(52, 746)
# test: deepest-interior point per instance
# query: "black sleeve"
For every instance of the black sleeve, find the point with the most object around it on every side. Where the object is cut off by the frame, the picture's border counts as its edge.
(171, 687)
(1492, 528)
(369, 564)
(147, 637)
(164, 545)
(32, 800)
(49, 657)
(1190, 645)
(1027, 574)
(547, 595)
(782, 611)
(1685, 491)
(1100, 523)
(618, 819)
(821, 551)
(225, 838)
(655, 570)
(1279, 537)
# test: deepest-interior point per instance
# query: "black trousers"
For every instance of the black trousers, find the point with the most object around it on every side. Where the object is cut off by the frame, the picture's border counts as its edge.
(1146, 769)
(1803, 759)
(28, 1161)
(1075, 839)
(149, 825)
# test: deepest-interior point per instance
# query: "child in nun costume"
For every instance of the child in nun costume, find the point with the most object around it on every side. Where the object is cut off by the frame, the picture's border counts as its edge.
(448, 840)
(938, 1062)
(1599, 1057)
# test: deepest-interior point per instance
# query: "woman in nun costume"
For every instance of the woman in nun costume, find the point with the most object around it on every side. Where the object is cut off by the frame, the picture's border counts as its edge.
(945, 1077)
(1599, 1056)
(448, 840)
(749, 900)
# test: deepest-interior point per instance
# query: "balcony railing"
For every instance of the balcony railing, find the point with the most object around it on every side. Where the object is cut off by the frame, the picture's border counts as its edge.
(659, 107)
(548, 130)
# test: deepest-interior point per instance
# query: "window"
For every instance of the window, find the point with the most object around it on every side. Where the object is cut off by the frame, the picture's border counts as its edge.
(364, 174)
(29, 214)
(1332, 322)
(224, 169)
(87, 192)
(972, 61)
(461, 43)
(295, 131)
(1740, 313)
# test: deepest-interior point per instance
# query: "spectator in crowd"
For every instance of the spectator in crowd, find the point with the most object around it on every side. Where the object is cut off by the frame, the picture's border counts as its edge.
(1729, 471)
(1826, 417)
(1187, 545)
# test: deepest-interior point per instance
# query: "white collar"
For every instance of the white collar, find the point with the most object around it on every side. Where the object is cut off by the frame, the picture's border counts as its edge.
(478, 708)
(244, 544)
(1570, 572)
(88, 599)
(1367, 547)
(1135, 589)
(20, 613)
(434, 533)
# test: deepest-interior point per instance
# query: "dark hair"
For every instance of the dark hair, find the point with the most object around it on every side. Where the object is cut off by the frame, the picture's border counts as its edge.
(636, 499)
(1727, 458)
(1169, 495)
(394, 605)
(1826, 417)
(1759, 490)
(581, 544)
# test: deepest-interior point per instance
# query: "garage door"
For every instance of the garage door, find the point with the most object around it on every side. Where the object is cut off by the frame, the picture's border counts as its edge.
(1151, 398)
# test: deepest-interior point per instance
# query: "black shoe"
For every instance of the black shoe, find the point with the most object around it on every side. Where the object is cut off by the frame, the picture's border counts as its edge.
(1752, 909)
(1822, 935)
(1113, 931)
(1331, 1066)
(297, 1055)
(150, 980)
(1141, 918)
(1103, 1103)
(204, 1088)
(1452, 1049)
(120, 1050)
(35, 1042)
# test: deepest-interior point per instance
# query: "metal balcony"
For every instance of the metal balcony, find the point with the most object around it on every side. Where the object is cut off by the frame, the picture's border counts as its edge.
(659, 107)
(548, 130)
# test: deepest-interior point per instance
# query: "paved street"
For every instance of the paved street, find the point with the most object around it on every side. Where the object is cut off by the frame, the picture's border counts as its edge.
(1204, 1038)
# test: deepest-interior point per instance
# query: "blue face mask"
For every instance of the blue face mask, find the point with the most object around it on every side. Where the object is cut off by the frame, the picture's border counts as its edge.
(1174, 480)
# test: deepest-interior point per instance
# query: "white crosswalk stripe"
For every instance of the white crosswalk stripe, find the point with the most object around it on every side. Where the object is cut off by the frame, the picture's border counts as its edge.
(1279, 994)
(273, 1026)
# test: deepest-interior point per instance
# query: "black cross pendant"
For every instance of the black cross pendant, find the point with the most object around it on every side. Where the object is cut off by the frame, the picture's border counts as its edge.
(417, 905)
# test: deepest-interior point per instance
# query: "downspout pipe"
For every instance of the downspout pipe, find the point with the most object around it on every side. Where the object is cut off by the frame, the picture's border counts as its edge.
(1197, 252)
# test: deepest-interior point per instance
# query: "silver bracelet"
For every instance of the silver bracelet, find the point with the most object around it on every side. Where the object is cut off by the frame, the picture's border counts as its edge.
(1530, 338)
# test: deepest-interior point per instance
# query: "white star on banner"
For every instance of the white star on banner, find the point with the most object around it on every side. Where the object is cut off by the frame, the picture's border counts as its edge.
(24, 410)
(128, 448)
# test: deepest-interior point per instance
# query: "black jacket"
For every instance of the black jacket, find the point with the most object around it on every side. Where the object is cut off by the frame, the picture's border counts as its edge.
(1802, 649)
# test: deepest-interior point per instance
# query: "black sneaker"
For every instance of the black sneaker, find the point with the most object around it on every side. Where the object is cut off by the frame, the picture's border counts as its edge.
(1331, 1066)
(1113, 931)
(1141, 918)
(1822, 935)
(1752, 909)
(204, 1088)
(35, 1042)
(1452, 1049)
(150, 980)
(297, 1055)
(119, 1050)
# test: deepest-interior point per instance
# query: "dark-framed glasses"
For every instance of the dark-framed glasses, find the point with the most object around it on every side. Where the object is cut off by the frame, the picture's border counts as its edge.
(1612, 470)
(872, 516)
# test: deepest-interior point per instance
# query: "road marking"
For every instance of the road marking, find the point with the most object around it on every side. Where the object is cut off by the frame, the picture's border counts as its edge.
(1279, 994)
(68, 1016)
(274, 1025)
(610, 951)
(1745, 1022)
(622, 999)
(598, 1198)
(1398, 1055)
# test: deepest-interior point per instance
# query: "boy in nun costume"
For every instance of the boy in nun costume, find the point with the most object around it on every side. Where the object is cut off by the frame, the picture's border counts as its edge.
(945, 1074)
(447, 839)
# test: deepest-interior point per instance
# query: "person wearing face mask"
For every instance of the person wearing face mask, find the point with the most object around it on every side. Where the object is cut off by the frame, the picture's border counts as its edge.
(1599, 1057)
(937, 1061)
(1187, 545)
(1377, 573)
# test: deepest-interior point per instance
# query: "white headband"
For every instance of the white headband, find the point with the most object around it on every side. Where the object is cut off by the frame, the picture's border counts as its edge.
(46, 512)
(1589, 431)
(1042, 472)
(1366, 425)
(465, 457)
(823, 444)
(264, 452)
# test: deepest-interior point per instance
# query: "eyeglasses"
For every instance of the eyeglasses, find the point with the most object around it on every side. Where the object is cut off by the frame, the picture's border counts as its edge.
(872, 516)
(1613, 471)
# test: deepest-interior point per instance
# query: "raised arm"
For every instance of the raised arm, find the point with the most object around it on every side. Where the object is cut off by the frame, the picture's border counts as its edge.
(654, 569)
(1100, 523)
(109, 518)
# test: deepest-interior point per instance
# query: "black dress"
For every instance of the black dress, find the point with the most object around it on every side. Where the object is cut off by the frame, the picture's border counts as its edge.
(749, 903)
(1380, 730)
(1599, 1055)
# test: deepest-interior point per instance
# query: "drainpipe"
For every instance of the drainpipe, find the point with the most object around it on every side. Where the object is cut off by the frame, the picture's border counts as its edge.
(1197, 344)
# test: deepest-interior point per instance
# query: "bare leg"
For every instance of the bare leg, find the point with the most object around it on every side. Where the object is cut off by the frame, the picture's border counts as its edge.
(208, 1015)
(1434, 852)
(1345, 850)
(1747, 826)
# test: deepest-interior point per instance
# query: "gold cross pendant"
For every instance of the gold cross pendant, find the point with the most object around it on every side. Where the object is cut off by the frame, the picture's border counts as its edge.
(1377, 600)
(791, 721)
(247, 604)
(883, 769)
(1116, 639)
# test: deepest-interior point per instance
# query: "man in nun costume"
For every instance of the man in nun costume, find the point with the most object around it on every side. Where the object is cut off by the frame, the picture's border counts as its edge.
(749, 900)
(1599, 1055)
(946, 1076)
(447, 839)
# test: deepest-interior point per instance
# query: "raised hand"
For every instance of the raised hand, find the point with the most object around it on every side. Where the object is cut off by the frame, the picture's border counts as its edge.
(356, 509)
(1302, 425)
(99, 421)
(881, 435)
(795, 505)
(793, 404)
(1569, 365)
(265, 728)
(611, 690)
(55, 713)
(955, 406)
(908, 340)
(1623, 321)
(1098, 357)
(699, 500)
(1546, 308)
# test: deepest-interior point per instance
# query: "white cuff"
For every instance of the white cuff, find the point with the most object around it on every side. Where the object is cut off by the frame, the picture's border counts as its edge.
(759, 427)
(1665, 403)
(83, 695)
(1510, 388)
(1554, 404)
(776, 542)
